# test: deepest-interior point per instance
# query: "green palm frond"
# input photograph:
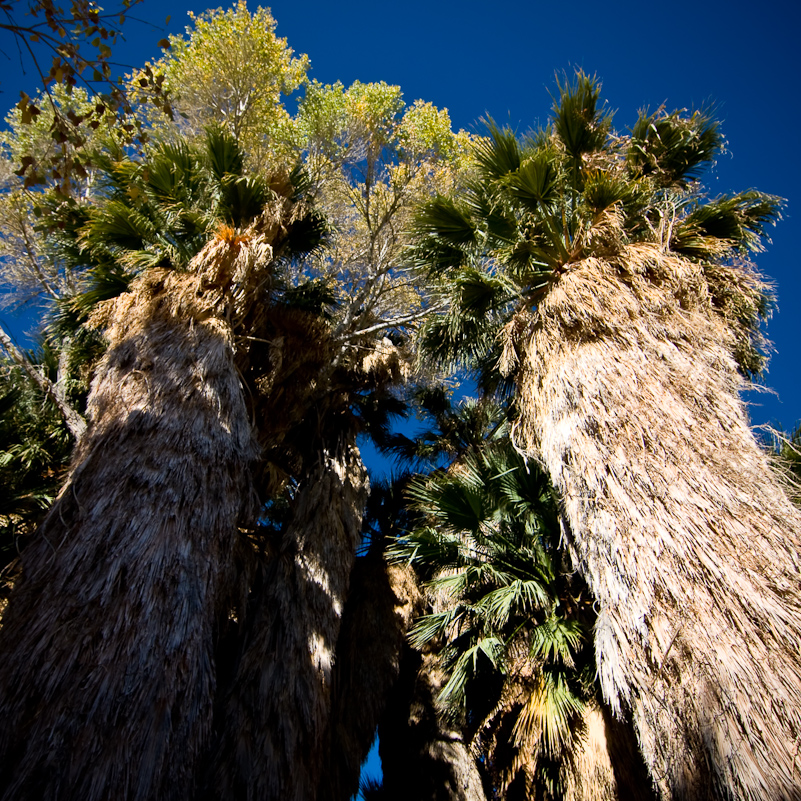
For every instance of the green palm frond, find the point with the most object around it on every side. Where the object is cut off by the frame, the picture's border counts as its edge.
(445, 234)
(551, 711)
(673, 148)
(497, 154)
(519, 596)
(736, 222)
(556, 640)
(579, 120)
(535, 184)
(224, 153)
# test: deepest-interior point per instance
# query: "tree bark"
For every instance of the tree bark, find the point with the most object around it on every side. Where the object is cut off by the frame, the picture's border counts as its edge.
(382, 604)
(422, 757)
(275, 720)
(629, 394)
(107, 678)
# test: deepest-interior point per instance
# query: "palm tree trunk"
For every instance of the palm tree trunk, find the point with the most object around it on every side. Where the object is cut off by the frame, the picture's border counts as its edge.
(630, 396)
(275, 720)
(108, 677)
(382, 604)
(422, 757)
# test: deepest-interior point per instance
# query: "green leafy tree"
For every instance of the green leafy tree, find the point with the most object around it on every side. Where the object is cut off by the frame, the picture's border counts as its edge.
(231, 69)
(372, 159)
(630, 317)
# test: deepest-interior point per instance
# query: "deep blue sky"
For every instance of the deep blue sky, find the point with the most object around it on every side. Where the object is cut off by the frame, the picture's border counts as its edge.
(500, 58)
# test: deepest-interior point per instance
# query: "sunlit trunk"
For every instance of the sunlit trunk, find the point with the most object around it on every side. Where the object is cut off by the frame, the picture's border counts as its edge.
(629, 394)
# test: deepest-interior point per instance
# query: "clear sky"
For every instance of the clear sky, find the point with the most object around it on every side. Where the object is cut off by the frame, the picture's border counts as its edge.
(499, 58)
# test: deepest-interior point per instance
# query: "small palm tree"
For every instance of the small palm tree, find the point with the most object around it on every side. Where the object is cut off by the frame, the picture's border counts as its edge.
(512, 626)
(630, 317)
(34, 452)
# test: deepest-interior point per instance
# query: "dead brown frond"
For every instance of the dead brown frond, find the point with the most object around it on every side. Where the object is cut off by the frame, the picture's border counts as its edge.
(629, 393)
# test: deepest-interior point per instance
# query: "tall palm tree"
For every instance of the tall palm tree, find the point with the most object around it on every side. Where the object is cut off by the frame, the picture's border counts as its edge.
(108, 677)
(631, 321)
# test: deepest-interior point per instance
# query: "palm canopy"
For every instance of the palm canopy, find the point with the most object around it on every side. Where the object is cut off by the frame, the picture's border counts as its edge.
(160, 211)
(576, 189)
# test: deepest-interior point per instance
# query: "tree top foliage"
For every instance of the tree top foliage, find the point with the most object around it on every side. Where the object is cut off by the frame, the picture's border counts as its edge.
(77, 41)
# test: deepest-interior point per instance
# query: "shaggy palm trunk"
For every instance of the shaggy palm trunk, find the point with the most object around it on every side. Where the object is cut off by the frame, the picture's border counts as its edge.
(606, 765)
(383, 602)
(275, 719)
(107, 676)
(422, 757)
(630, 396)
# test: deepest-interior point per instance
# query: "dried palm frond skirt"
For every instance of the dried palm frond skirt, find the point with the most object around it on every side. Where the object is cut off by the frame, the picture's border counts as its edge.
(108, 678)
(629, 395)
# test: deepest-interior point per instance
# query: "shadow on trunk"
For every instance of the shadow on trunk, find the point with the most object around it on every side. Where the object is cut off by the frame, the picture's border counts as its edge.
(422, 757)
(274, 720)
(108, 674)
(384, 600)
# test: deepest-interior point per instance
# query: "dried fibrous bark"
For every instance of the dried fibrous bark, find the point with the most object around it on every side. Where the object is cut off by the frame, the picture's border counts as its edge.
(382, 604)
(422, 756)
(630, 396)
(606, 766)
(108, 676)
(274, 723)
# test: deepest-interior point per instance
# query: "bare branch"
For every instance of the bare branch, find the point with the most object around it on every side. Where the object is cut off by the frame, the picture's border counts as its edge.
(409, 318)
(75, 423)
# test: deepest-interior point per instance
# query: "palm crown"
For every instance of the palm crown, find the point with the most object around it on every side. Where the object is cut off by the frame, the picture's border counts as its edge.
(576, 189)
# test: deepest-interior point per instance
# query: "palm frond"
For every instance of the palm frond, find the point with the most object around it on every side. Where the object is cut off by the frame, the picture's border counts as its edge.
(673, 147)
(579, 121)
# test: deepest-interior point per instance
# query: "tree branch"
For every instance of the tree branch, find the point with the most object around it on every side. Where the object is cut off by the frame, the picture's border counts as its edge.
(75, 423)
(409, 318)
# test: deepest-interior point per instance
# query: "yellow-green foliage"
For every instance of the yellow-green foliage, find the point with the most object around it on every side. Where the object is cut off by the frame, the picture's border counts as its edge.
(231, 68)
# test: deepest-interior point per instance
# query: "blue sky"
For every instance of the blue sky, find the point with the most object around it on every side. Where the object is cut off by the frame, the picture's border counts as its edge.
(478, 58)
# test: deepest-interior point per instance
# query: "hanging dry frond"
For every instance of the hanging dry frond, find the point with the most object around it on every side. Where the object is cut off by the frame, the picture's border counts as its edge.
(277, 714)
(629, 394)
(111, 629)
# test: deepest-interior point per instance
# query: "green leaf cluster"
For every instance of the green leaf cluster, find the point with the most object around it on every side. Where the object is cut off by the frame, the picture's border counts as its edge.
(508, 619)
(533, 206)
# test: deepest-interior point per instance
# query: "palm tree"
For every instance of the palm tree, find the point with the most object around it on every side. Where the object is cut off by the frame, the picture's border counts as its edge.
(631, 321)
(510, 628)
(108, 677)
